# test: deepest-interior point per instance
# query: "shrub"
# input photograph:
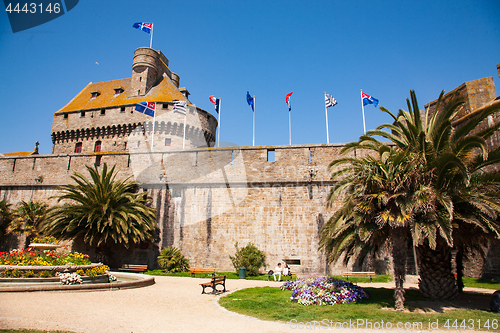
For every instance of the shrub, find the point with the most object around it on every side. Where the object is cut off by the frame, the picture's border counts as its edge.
(171, 260)
(249, 257)
(95, 271)
(45, 240)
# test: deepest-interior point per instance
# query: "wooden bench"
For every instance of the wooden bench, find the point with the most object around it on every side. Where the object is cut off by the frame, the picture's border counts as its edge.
(208, 270)
(133, 268)
(282, 276)
(214, 282)
(347, 275)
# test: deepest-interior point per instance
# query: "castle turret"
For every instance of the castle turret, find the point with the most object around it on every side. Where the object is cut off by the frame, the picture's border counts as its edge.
(148, 67)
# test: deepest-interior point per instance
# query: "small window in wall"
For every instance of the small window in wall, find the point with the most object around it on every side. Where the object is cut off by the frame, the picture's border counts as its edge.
(94, 94)
(168, 142)
(270, 155)
(97, 146)
(65, 116)
(122, 109)
(292, 261)
(98, 160)
(78, 147)
(310, 159)
(118, 91)
(103, 112)
(165, 105)
(82, 114)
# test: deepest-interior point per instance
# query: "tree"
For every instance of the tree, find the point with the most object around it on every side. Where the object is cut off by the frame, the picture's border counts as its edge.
(103, 210)
(171, 260)
(462, 193)
(27, 218)
(379, 196)
(249, 257)
(5, 218)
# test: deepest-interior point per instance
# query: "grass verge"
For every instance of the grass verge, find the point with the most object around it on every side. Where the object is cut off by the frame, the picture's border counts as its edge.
(271, 303)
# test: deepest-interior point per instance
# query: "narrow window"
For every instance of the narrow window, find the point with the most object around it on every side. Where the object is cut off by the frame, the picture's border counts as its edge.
(165, 105)
(78, 147)
(168, 142)
(232, 157)
(82, 114)
(98, 160)
(122, 109)
(270, 155)
(65, 116)
(310, 155)
(97, 147)
(103, 112)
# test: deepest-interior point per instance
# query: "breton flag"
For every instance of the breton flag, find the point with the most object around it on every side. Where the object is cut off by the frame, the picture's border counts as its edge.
(367, 99)
(216, 102)
(180, 106)
(146, 27)
(250, 100)
(148, 108)
(287, 99)
(329, 100)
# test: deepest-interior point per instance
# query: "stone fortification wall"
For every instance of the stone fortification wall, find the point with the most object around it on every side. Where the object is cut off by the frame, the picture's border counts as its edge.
(208, 199)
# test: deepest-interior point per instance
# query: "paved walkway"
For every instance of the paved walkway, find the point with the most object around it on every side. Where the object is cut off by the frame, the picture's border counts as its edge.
(173, 304)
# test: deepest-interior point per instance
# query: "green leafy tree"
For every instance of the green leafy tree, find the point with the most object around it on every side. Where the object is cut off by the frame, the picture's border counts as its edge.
(249, 257)
(103, 210)
(27, 218)
(5, 218)
(171, 260)
(379, 198)
(462, 192)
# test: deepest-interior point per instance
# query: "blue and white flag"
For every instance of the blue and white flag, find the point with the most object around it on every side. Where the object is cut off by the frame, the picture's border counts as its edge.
(250, 100)
(180, 106)
(146, 27)
(148, 108)
(367, 99)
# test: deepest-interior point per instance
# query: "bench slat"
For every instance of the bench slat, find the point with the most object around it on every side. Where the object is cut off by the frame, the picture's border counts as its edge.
(214, 282)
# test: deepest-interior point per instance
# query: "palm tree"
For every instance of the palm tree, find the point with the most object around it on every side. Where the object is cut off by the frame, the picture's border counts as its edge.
(451, 158)
(102, 210)
(5, 218)
(379, 196)
(27, 218)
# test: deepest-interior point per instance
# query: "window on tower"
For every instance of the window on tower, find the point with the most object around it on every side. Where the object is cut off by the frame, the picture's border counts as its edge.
(97, 147)
(78, 147)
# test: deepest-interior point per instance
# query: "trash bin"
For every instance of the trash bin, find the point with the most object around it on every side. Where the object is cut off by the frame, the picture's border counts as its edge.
(242, 272)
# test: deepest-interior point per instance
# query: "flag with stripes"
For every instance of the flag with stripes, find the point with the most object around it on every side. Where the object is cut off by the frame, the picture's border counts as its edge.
(329, 101)
(216, 102)
(287, 100)
(180, 106)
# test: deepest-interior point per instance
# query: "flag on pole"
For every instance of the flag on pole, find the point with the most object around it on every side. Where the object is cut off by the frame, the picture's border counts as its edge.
(146, 27)
(367, 99)
(287, 99)
(250, 100)
(329, 101)
(216, 102)
(180, 106)
(148, 108)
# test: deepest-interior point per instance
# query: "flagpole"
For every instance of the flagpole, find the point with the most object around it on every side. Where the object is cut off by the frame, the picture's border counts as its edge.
(253, 140)
(153, 136)
(151, 37)
(218, 116)
(290, 125)
(326, 113)
(363, 108)
(184, 136)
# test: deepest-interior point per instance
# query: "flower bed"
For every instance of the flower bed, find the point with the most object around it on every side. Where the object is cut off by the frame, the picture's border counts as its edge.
(324, 291)
(31, 257)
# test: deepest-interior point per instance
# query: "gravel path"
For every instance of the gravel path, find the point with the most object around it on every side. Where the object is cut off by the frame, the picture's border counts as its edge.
(173, 304)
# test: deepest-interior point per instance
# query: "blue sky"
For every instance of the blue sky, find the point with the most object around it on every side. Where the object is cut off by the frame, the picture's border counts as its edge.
(269, 48)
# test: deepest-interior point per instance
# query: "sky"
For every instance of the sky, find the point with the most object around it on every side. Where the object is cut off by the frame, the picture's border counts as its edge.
(269, 48)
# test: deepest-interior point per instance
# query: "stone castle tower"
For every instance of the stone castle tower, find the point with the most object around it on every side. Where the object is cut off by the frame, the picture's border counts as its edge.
(101, 117)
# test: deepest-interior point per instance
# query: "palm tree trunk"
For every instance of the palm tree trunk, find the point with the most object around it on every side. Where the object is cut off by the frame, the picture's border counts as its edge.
(399, 265)
(436, 277)
(459, 259)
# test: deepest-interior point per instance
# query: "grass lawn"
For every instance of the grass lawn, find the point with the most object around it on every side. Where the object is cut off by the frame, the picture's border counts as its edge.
(271, 303)
(230, 275)
(481, 283)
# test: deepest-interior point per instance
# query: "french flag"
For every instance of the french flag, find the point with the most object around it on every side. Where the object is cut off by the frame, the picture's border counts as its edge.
(146, 27)
(367, 99)
(148, 108)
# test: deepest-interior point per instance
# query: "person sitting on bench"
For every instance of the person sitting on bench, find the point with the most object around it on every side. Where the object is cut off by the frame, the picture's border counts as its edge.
(277, 271)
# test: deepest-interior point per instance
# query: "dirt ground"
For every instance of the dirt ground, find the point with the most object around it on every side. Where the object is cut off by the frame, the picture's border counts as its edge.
(172, 304)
